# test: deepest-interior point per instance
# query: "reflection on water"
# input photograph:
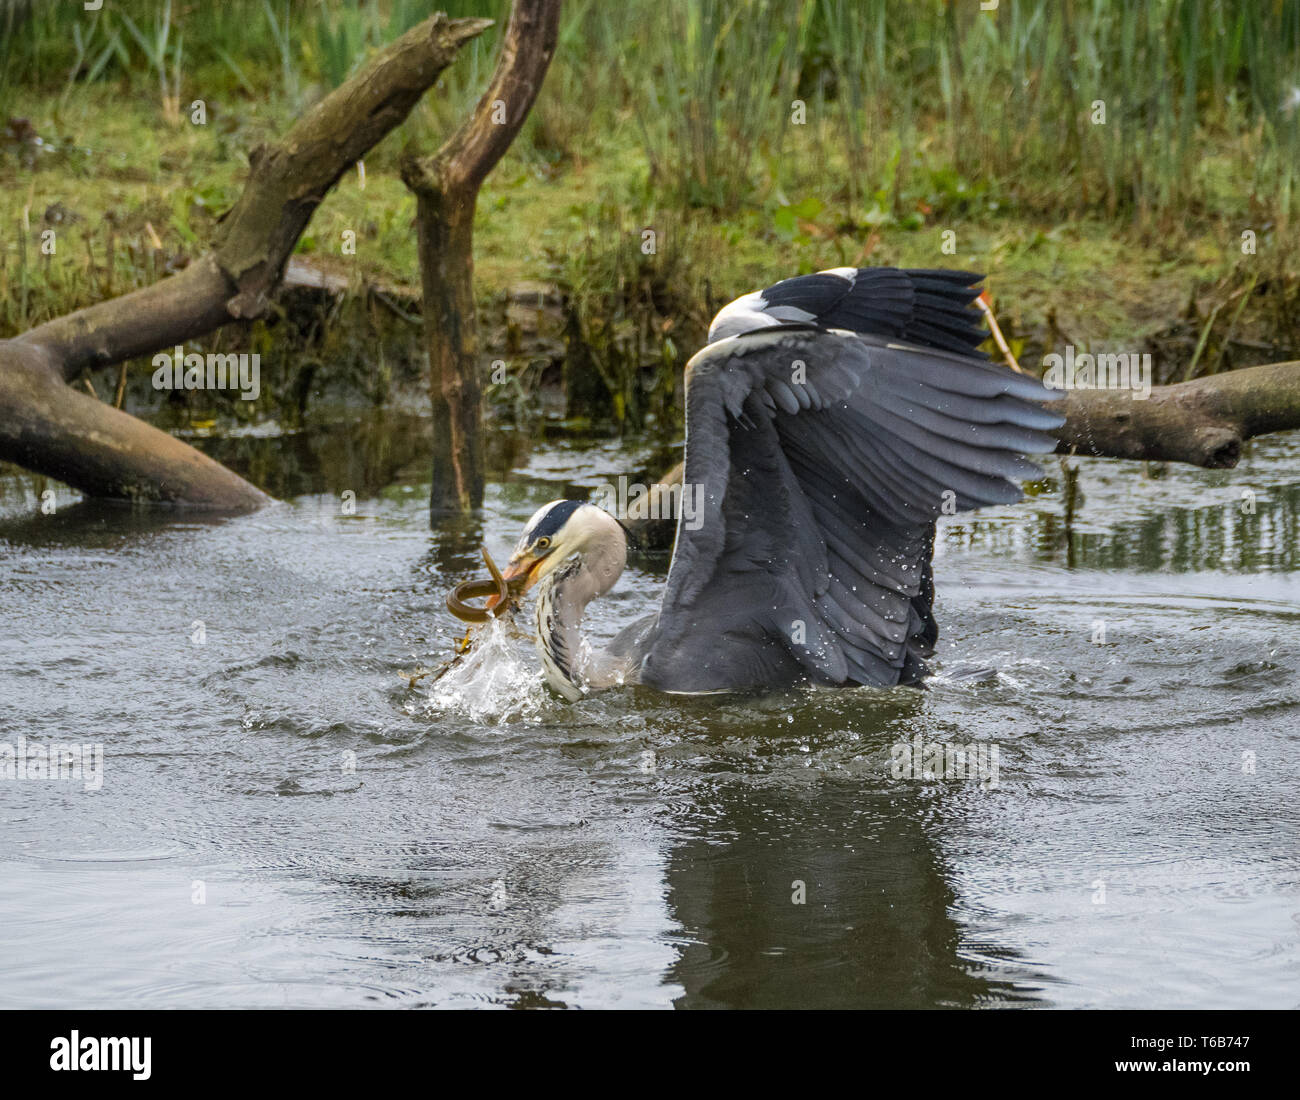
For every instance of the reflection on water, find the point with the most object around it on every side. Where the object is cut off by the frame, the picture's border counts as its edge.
(823, 889)
(284, 822)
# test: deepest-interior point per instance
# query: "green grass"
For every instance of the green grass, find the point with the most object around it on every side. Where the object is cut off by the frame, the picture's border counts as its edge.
(758, 139)
(1195, 91)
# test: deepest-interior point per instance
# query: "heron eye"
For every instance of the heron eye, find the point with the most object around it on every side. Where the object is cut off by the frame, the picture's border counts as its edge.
(542, 543)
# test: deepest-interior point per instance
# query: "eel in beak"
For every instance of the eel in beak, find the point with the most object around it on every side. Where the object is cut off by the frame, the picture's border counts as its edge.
(502, 590)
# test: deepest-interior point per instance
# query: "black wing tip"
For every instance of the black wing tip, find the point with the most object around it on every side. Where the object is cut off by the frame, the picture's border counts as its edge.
(931, 307)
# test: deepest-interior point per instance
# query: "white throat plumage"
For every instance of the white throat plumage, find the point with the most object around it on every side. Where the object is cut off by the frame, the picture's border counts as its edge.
(595, 550)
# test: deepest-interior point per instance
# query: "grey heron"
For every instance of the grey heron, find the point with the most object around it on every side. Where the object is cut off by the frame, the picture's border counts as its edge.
(830, 419)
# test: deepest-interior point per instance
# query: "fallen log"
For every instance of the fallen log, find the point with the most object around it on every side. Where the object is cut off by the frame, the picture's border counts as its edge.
(48, 427)
(1203, 422)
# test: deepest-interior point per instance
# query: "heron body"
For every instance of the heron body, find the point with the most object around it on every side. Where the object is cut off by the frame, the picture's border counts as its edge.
(829, 421)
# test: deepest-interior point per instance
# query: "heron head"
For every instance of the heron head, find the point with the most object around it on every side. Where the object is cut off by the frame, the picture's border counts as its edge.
(555, 533)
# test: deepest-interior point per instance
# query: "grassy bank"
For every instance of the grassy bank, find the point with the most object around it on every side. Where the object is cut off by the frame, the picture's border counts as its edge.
(1101, 162)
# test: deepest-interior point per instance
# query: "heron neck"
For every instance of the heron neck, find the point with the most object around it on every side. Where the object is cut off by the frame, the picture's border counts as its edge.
(562, 599)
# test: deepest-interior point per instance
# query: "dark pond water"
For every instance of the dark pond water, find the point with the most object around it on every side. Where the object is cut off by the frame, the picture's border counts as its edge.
(283, 822)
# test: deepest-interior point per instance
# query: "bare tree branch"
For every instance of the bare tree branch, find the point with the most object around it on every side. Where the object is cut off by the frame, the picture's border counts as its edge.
(446, 186)
(104, 452)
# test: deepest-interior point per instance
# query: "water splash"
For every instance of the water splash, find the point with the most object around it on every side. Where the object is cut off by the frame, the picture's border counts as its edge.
(493, 683)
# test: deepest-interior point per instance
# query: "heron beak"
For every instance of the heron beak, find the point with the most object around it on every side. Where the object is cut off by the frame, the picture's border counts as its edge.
(520, 575)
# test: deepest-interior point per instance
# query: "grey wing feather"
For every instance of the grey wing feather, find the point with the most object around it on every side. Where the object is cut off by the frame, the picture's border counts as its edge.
(823, 460)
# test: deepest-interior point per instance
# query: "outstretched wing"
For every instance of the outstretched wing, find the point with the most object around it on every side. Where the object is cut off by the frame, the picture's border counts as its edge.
(819, 462)
(920, 306)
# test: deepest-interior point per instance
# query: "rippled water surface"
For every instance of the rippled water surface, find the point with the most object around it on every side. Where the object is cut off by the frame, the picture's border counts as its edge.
(283, 821)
